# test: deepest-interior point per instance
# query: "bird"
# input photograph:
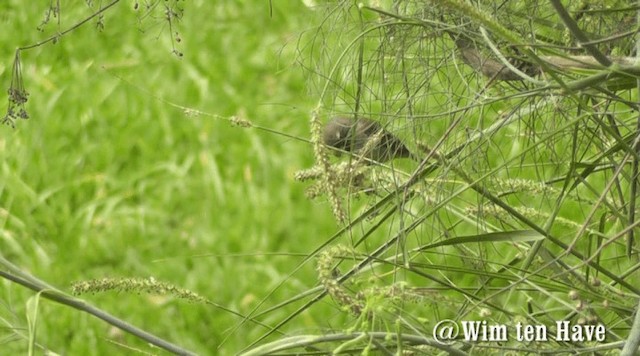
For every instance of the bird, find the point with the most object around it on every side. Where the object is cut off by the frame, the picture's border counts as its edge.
(352, 134)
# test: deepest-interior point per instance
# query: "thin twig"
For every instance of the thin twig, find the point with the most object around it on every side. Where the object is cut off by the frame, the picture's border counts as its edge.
(584, 41)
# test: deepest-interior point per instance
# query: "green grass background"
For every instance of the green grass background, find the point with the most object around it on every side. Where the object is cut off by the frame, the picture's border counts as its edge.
(129, 167)
(108, 179)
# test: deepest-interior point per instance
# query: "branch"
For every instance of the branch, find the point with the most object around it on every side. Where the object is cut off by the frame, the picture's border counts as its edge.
(57, 36)
(47, 291)
(583, 40)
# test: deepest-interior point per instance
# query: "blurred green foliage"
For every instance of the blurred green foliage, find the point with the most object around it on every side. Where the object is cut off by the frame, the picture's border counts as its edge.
(109, 179)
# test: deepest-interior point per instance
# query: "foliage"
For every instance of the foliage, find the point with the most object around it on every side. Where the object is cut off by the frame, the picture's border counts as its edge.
(128, 168)
(526, 116)
(163, 185)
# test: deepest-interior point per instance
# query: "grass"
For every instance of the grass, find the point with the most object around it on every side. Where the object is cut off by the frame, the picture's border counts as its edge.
(108, 179)
(133, 166)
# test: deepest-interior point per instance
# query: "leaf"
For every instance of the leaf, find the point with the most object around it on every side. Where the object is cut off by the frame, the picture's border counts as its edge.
(502, 236)
(32, 320)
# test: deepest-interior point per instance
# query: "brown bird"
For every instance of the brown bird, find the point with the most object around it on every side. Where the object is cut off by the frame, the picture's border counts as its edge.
(351, 135)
